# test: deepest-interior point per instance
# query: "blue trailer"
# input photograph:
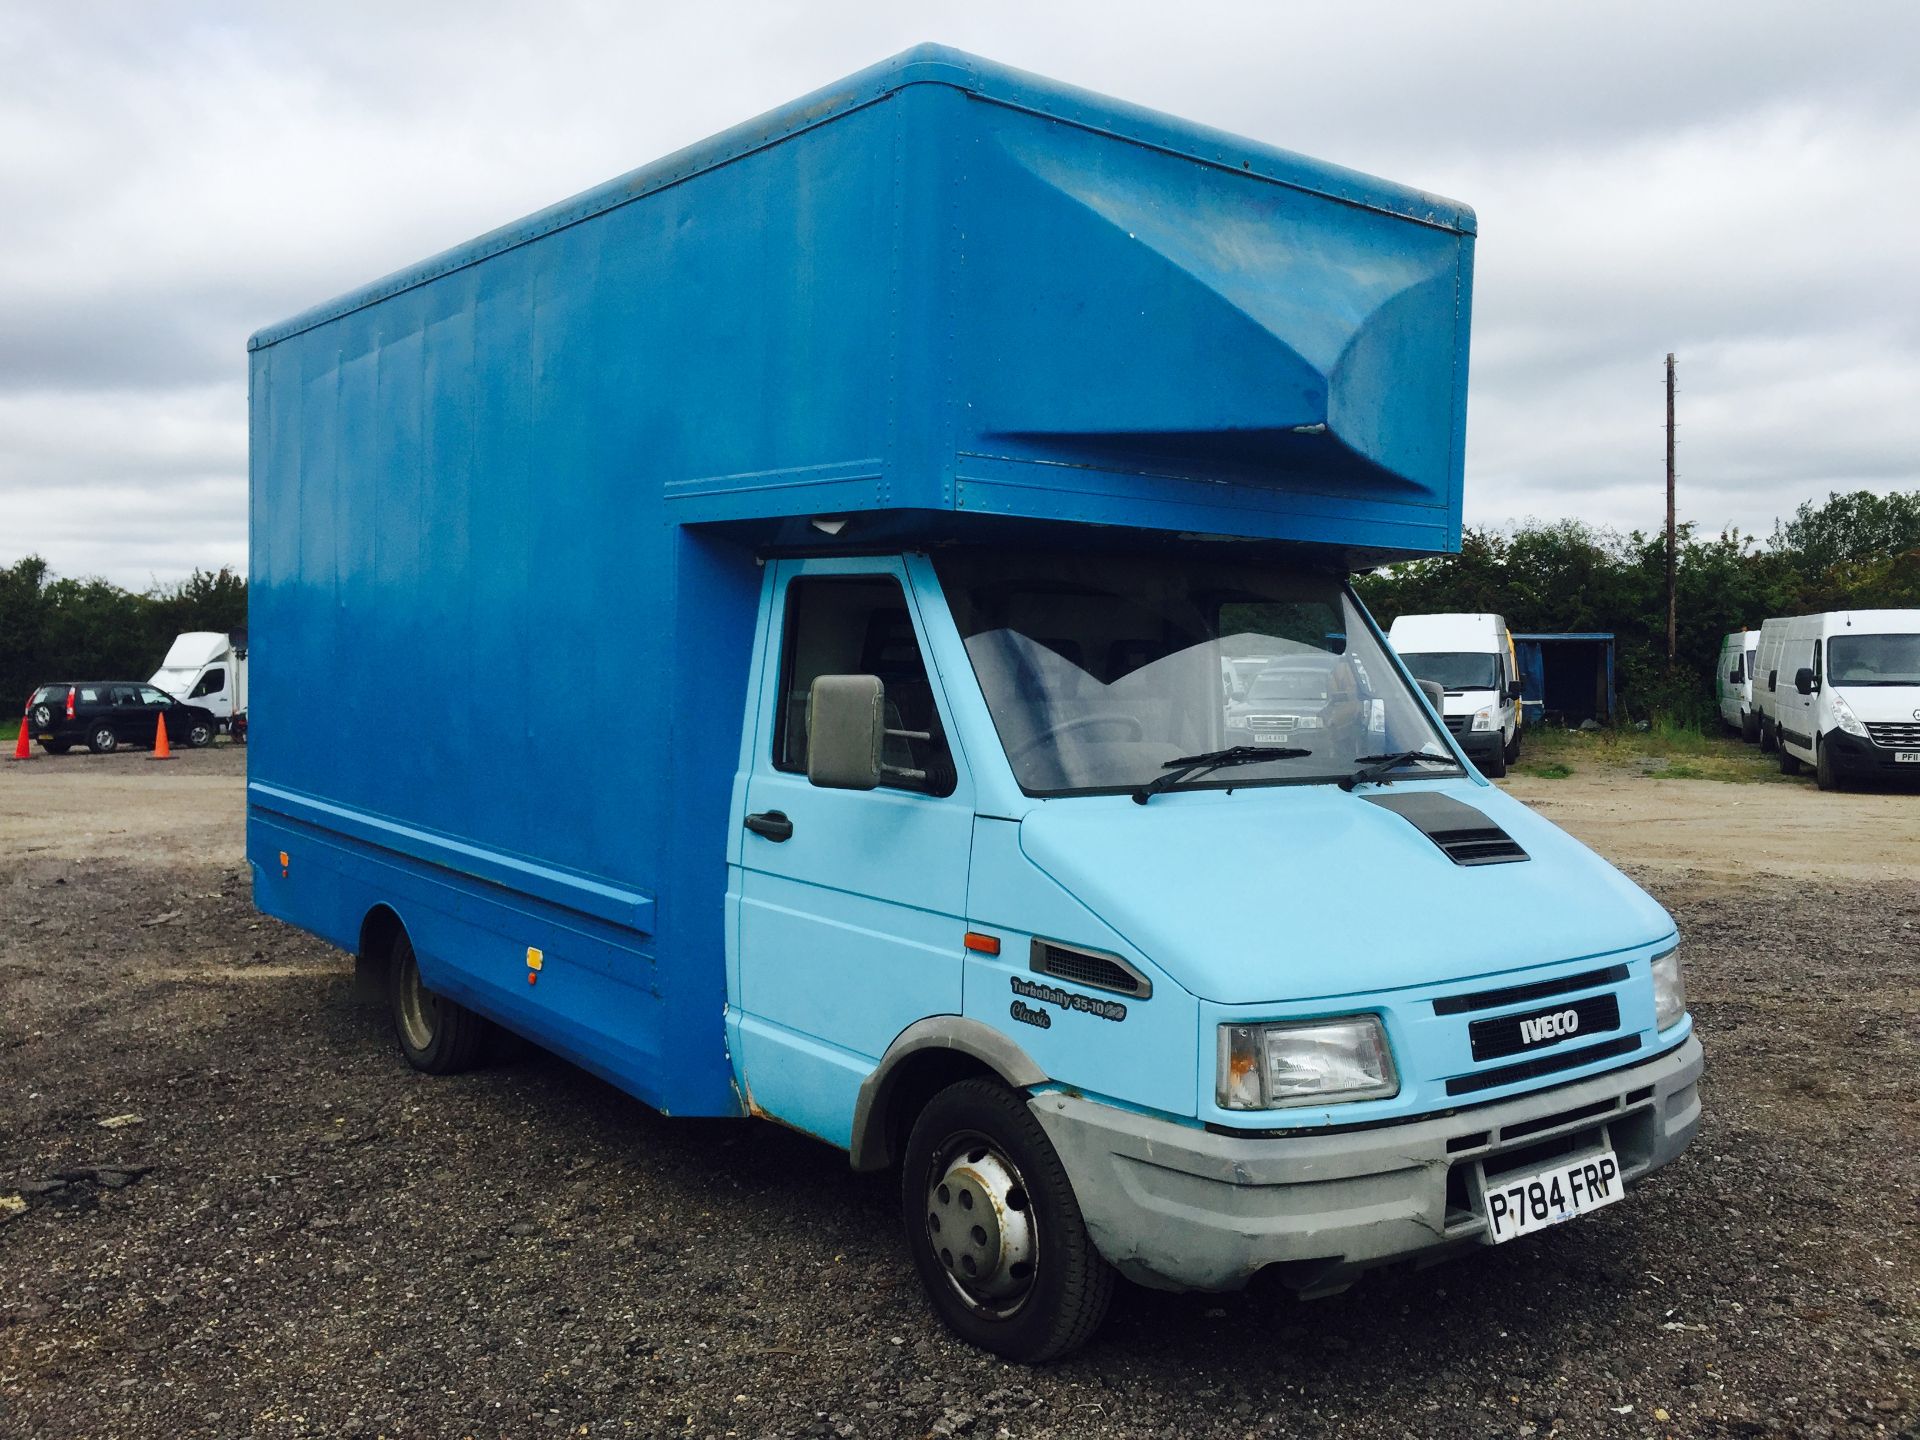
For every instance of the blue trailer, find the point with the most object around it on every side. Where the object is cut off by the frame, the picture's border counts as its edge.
(818, 568)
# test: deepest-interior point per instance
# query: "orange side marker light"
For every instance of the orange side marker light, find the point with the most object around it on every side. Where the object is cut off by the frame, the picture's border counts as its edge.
(982, 944)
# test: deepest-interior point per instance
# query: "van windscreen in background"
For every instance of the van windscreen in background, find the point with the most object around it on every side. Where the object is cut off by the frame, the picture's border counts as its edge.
(1101, 670)
(1873, 660)
(1455, 670)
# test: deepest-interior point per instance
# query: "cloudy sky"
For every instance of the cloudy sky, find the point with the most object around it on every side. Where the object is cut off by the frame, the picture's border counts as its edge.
(1733, 182)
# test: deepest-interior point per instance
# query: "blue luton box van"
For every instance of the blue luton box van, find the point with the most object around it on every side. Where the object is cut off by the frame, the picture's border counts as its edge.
(821, 568)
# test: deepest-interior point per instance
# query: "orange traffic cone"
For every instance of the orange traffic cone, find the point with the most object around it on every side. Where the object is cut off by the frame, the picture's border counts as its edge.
(21, 747)
(161, 750)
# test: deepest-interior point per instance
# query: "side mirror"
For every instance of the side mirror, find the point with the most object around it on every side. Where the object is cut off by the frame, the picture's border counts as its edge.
(1513, 690)
(1436, 694)
(1803, 680)
(1773, 680)
(1733, 677)
(846, 728)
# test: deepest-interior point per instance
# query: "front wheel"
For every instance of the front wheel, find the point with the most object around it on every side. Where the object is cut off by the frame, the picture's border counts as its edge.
(1513, 747)
(437, 1035)
(200, 734)
(1495, 765)
(994, 1227)
(56, 747)
(1789, 764)
(1824, 773)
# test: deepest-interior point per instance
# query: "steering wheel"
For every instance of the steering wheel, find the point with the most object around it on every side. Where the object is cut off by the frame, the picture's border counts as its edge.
(1078, 722)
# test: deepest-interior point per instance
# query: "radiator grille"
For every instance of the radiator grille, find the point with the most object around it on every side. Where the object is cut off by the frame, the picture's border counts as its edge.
(1901, 735)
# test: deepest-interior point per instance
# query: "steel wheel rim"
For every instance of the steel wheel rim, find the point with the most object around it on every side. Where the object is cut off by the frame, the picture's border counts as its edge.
(103, 739)
(198, 736)
(980, 1224)
(417, 1007)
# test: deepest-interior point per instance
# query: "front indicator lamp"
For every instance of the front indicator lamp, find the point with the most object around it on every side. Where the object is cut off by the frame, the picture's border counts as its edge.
(1318, 1062)
(1669, 991)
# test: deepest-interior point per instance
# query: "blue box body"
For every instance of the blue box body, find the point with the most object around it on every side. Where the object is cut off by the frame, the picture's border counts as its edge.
(509, 506)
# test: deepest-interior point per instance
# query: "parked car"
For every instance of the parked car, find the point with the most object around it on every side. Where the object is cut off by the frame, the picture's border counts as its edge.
(103, 715)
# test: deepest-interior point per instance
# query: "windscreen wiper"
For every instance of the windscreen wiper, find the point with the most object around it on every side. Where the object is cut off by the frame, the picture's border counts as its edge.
(1187, 766)
(1376, 767)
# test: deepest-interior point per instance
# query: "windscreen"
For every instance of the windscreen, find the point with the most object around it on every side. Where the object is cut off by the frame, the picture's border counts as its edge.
(1455, 669)
(1102, 670)
(1873, 660)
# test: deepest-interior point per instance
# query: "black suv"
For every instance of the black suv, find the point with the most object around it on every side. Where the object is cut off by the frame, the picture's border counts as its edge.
(103, 715)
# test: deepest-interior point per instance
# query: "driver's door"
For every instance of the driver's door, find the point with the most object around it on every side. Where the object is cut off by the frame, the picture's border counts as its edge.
(850, 904)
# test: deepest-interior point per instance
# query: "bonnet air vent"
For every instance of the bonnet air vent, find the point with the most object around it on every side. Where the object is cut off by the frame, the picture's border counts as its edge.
(1466, 835)
(1087, 967)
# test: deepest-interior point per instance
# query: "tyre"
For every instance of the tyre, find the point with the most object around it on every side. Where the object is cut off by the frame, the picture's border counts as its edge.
(1824, 773)
(1513, 747)
(994, 1227)
(199, 734)
(1495, 765)
(437, 1035)
(102, 741)
(1789, 764)
(56, 747)
(1749, 726)
(1769, 742)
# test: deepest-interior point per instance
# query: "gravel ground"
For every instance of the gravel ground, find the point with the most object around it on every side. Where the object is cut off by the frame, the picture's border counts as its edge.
(298, 1236)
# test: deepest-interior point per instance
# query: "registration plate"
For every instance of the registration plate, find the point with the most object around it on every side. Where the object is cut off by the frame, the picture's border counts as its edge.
(1906, 757)
(1531, 1200)
(1283, 737)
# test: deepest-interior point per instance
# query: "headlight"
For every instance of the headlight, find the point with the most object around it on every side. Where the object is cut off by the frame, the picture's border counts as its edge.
(1844, 717)
(1669, 991)
(1321, 1062)
(1486, 719)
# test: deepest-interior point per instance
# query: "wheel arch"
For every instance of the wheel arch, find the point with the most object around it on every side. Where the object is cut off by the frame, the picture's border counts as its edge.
(377, 931)
(923, 1060)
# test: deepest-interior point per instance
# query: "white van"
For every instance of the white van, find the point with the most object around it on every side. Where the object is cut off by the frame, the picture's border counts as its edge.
(1471, 658)
(206, 668)
(1733, 683)
(1846, 694)
(1766, 679)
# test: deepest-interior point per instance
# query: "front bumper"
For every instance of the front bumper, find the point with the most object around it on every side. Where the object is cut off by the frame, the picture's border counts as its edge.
(1852, 755)
(1180, 1208)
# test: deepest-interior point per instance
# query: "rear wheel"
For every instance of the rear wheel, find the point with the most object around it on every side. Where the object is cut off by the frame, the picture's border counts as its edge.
(994, 1227)
(436, 1034)
(102, 741)
(1749, 726)
(1768, 741)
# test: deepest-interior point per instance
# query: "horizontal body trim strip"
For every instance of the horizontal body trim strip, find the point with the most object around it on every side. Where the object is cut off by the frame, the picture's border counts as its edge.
(633, 909)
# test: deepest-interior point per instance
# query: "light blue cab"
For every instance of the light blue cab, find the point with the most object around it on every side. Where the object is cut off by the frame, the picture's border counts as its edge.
(830, 568)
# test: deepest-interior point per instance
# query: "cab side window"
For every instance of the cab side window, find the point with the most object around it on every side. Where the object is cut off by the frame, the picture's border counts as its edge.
(859, 625)
(211, 683)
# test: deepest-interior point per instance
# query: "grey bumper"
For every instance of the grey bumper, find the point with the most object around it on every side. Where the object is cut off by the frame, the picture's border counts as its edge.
(1177, 1207)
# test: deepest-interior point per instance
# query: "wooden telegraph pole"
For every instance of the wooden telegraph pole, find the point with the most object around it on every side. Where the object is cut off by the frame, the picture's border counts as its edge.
(1672, 557)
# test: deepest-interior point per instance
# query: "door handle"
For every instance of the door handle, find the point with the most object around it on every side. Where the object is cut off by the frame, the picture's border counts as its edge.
(772, 824)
